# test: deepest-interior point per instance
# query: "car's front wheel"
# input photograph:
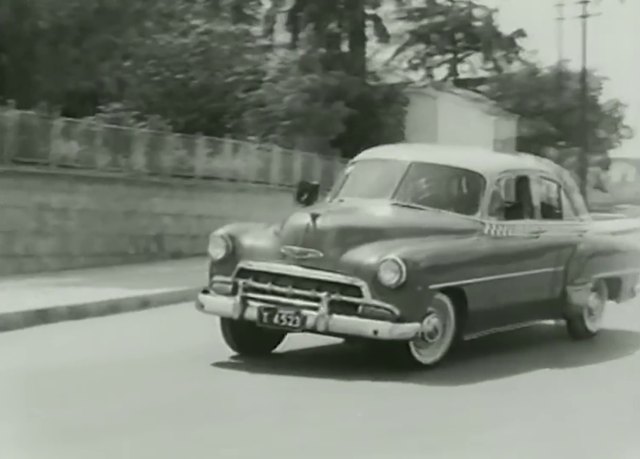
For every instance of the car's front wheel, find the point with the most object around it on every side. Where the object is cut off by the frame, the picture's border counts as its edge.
(587, 322)
(438, 334)
(246, 338)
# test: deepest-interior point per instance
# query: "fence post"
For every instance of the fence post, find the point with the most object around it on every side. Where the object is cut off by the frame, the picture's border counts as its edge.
(298, 167)
(138, 159)
(9, 119)
(275, 176)
(199, 156)
(4, 137)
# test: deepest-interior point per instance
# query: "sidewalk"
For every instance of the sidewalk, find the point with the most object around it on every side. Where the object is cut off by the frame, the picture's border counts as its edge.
(27, 301)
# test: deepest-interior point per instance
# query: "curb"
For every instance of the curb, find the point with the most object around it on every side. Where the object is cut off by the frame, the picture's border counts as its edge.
(55, 314)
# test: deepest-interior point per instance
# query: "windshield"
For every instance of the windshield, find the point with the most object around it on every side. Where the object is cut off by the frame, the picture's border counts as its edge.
(424, 184)
(370, 179)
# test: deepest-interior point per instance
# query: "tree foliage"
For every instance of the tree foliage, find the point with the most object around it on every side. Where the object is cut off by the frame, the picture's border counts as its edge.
(549, 100)
(303, 105)
(446, 34)
(181, 77)
(337, 27)
(300, 105)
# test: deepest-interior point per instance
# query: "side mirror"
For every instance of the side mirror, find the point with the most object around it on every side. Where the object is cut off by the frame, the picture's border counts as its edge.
(307, 193)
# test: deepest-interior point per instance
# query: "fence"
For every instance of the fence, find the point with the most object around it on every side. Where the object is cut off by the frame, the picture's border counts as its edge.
(28, 138)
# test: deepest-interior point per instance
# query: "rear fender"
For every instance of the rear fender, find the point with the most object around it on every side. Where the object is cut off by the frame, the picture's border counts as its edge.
(602, 256)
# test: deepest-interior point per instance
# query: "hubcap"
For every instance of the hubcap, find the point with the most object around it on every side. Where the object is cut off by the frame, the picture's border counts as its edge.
(432, 328)
(437, 332)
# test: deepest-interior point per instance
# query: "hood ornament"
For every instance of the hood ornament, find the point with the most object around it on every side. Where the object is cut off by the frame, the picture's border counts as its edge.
(300, 253)
(315, 216)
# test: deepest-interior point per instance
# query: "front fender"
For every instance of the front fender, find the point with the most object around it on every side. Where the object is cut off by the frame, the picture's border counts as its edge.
(429, 262)
(251, 241)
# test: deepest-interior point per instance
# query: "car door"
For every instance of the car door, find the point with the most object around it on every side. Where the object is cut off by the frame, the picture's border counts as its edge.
(518, 266)
(560, 229)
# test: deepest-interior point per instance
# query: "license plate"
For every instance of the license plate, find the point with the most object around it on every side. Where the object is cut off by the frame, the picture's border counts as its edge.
(280, 318)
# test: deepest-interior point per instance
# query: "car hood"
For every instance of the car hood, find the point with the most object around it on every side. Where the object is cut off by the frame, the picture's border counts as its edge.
(335, 228)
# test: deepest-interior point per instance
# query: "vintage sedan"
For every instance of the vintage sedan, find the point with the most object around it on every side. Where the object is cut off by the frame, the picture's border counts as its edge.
(421, 246)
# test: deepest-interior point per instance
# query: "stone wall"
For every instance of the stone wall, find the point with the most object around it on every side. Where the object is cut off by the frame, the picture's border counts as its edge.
(51, 220)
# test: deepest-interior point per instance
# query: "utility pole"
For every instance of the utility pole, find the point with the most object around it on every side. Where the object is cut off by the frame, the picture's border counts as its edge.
(583, 168)
(560, 70)
(561, 19)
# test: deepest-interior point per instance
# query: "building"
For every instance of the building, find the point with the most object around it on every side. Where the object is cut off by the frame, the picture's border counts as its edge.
(624, 171)
(624, 180)
(448, 115)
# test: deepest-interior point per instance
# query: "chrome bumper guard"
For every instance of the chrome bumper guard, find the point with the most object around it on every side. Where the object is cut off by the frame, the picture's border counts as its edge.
(241, 306)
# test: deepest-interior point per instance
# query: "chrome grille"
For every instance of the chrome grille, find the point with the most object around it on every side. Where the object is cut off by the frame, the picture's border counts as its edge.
(285, 289)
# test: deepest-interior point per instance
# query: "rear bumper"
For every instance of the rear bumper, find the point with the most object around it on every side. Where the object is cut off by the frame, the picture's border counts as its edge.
(232, 307)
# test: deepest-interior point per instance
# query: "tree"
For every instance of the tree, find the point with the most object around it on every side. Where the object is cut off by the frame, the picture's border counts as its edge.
(70, 54)
(551, 112)
(444, 34)
(300, 104)
(62, 52)
(303, 105)
(331, 26)
(197, 74)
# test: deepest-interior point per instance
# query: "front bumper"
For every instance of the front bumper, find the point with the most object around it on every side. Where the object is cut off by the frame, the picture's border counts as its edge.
(316, 321)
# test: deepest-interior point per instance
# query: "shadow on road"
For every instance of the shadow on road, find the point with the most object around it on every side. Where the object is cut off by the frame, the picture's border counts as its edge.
(491, 358)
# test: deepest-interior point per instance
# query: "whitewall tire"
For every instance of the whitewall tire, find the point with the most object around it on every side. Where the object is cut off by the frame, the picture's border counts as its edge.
(587, 322)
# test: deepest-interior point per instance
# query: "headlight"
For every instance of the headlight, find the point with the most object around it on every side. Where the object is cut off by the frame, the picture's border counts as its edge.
(392, 272)
(219, 247)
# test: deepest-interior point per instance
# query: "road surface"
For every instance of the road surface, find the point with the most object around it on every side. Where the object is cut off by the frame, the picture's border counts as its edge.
(161, 384)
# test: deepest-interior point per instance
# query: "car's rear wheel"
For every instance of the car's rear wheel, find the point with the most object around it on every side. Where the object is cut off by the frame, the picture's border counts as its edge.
(246, 338)
(438, 334)
(587, 322)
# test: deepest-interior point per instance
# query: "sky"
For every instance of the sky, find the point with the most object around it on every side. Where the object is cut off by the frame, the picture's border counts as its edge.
(613, 45)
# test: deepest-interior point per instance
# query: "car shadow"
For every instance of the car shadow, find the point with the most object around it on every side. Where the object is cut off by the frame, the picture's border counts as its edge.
(491, 358)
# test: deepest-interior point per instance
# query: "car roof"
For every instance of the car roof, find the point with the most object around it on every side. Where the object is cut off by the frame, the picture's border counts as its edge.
(482, 160)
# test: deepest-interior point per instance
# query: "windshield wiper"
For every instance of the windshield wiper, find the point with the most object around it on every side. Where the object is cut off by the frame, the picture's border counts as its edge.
(408, 205)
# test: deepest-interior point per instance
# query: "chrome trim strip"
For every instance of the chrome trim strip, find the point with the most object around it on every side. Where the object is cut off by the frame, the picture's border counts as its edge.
(617, 273)
(507, 328)
(478, 280)
(316, 321)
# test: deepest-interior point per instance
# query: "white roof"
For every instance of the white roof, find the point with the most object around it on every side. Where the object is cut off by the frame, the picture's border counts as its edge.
(477, 159)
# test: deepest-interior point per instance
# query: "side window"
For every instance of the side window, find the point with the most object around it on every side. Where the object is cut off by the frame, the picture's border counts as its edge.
(511, 199)
(501, 193)
(553, 201)
(549, 194)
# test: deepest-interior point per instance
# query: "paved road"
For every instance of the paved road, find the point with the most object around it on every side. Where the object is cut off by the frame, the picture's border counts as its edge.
(160, 384)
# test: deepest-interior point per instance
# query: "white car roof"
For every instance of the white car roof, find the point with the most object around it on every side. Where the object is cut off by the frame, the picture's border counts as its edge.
(484, 161)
